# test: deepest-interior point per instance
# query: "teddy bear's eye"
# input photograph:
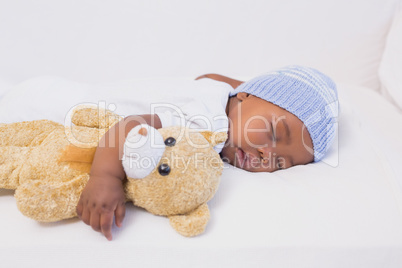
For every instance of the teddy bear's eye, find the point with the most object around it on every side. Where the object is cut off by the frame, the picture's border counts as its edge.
(164, 169)
(170, 141)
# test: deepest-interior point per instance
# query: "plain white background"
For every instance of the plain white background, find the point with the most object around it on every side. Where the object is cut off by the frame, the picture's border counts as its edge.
(104, 41)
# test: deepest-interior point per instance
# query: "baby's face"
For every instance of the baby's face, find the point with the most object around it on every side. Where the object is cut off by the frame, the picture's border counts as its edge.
(264, 137)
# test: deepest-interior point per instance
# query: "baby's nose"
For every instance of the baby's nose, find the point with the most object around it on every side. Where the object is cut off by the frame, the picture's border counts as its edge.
(265, 151)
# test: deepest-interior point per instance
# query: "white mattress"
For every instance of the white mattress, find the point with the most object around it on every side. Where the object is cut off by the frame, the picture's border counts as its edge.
(343, 212)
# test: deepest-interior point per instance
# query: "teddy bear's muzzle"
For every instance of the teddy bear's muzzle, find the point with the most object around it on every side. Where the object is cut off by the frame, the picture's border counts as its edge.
(143, 149)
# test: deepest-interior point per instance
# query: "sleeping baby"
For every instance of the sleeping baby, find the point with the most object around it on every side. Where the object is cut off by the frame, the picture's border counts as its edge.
(275, 121)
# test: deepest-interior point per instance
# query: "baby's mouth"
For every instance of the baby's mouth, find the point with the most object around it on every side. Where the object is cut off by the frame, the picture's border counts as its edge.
(241, 156)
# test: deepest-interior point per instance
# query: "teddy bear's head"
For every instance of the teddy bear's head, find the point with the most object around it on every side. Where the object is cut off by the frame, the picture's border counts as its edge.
(171, 171)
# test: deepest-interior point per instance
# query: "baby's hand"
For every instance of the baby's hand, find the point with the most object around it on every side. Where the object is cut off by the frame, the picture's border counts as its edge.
(102, 198)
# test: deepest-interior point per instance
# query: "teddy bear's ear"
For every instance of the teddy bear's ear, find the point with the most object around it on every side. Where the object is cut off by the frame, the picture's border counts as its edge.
(214, 138)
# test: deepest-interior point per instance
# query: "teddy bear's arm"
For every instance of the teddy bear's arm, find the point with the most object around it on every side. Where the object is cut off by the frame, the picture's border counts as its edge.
(94, 117)
(193, 223)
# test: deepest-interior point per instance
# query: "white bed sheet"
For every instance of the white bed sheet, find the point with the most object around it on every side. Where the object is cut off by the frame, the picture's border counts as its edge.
(5, 86)
(343, 212)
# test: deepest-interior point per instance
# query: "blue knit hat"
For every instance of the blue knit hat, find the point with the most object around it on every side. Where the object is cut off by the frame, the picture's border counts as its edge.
(305, 92)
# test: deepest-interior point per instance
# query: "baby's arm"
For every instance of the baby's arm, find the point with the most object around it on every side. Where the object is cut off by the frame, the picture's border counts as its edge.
(103, 197)
(233, 82)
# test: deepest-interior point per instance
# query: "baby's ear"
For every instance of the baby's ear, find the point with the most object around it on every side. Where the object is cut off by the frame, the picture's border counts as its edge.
(241, 96)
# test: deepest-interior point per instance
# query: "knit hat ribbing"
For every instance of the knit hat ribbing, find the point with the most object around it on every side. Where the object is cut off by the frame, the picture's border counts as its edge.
(305, 92)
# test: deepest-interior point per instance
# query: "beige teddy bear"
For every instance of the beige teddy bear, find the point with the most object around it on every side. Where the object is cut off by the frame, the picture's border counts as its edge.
(170, 171)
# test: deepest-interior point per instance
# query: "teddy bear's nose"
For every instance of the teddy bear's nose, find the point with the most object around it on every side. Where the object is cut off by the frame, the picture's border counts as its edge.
(143, 131)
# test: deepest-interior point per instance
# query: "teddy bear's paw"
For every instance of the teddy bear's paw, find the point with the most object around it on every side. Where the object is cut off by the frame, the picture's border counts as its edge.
(94, 116)
(193, 223)
(50, 202)
(84, 137)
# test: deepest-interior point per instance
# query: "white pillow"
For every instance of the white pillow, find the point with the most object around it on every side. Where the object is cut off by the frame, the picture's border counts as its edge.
(53, 98)
(390, 71)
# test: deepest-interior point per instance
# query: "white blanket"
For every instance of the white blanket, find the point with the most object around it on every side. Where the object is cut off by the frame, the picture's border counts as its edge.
(345, 211)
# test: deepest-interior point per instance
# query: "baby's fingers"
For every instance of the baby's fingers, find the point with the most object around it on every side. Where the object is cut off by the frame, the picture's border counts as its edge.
(86, 216)
(106, 221)
(79, 208)
(95, 222)
(119, 214)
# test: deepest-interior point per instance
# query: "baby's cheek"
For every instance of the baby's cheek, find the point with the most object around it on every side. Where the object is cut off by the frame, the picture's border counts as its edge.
(255, 139)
